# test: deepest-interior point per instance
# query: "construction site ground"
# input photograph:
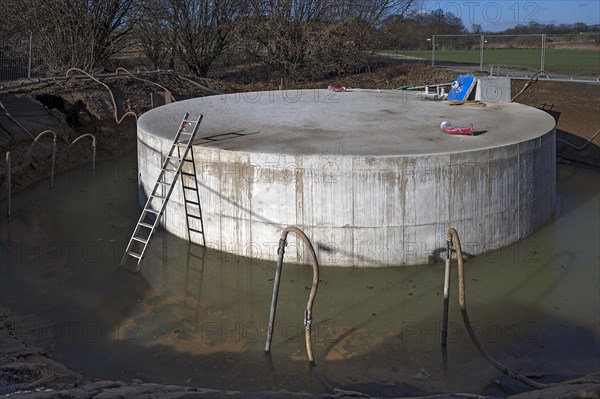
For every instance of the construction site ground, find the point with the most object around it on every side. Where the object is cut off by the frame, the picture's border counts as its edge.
(80, 105)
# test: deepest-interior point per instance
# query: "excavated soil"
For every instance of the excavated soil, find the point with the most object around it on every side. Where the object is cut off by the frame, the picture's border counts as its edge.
(576, 109)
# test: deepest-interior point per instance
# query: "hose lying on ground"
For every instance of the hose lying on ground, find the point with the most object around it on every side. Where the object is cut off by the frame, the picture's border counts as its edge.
(533, 79)
(146, 81)
(112, 97)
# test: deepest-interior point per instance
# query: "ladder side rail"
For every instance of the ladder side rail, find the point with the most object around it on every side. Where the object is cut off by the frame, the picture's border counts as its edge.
(198, 199)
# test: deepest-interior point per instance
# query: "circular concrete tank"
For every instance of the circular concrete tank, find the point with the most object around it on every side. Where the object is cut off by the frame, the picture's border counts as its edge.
(368, 175)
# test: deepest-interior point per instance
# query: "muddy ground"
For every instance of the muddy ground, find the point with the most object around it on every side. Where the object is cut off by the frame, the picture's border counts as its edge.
(27, 371)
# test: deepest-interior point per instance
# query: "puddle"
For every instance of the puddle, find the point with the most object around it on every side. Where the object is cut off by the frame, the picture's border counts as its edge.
(198, 317)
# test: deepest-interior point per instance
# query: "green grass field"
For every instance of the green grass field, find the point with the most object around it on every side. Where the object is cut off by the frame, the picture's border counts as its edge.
(573, 62)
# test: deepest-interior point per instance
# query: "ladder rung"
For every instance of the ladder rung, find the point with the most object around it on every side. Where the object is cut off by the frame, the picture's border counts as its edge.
(191, 188)
(194, 216)
(196, 231)
(170, 170)
(164, 183)
(191, 202)
(174, 156)
(143, 241)
(151, 210)
(146, 225)
(188, 174)
(131, 253)
(157, 196)
(188, 133)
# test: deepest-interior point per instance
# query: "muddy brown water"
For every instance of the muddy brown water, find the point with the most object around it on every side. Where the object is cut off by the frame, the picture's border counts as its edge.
(198, 317)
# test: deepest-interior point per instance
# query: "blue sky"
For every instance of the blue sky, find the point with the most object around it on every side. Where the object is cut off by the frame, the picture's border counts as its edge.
(499, 15)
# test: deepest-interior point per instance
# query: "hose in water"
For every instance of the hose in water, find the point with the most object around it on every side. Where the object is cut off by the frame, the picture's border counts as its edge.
(455, 242)
(311, 298)
(10, 168)
(581, 147)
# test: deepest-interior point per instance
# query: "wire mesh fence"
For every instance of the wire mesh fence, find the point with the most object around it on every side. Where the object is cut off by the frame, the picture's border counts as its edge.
(14, 56)
(573, 54)
(19, 58)
(565, 55)
(520, 52)
(558, 55)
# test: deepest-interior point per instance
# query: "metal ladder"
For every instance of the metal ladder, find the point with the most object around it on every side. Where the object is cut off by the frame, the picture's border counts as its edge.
(144, 229)
(191, 197)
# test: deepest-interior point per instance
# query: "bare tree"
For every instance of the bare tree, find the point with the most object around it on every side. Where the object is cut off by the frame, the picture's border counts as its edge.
(78, 33)
(316, 36)
(280, 33)
(375, 11)
(410, 31)
(155, 32)
(10, 20)
(202, 29)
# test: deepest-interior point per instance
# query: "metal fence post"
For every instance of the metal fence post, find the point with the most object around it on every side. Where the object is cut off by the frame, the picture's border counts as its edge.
(8, 181)
(53, 162)
(433, 50)
(30, 55)
(481, 54)
(543, 56)
(94, 153)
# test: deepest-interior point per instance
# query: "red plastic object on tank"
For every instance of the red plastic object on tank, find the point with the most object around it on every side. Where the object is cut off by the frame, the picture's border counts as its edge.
(466, 130)
(336, 89)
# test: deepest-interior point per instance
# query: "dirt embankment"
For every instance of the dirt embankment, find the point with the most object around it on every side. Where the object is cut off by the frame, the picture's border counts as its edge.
(75, 107)
(576, 109)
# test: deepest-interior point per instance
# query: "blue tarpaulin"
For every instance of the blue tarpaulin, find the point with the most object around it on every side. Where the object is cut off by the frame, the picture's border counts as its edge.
(461, 87)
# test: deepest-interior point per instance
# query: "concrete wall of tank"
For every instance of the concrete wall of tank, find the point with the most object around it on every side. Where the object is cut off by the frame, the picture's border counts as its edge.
(362, 211)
